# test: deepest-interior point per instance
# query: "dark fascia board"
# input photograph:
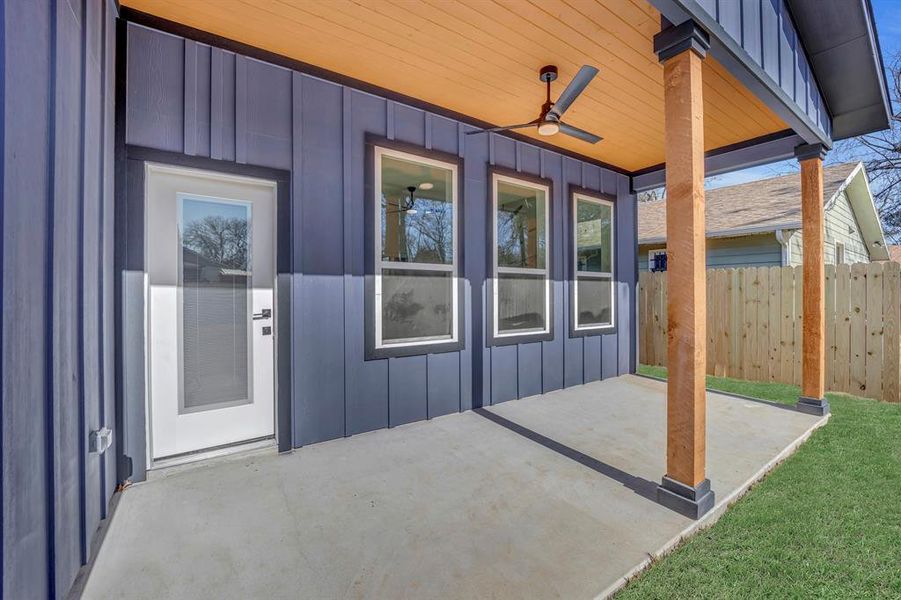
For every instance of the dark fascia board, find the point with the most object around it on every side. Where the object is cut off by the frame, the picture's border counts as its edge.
(152, 21)
(816, 29)
(734, 58)
(759, 151)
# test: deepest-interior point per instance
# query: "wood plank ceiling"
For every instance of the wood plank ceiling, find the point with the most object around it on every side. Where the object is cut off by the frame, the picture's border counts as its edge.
(481, 58)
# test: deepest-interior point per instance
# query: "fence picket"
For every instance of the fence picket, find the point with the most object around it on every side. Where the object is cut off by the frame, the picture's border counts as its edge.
(830, 327)
(798, 320)
(775, 347)
(661, 320)
(711, 323)
(749, 336)
(891, 358)
(735, 322)
(787, 337)
(722, 339)
(858, 380)
(842, 364)
(874, 322)
(761, 373)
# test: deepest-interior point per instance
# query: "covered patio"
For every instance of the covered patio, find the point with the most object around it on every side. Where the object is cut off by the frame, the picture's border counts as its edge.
(549, 496)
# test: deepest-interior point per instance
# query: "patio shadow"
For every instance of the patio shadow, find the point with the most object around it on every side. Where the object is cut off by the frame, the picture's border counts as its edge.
(639, 485)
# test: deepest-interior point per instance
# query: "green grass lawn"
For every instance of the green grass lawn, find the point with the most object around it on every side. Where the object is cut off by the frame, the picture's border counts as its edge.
(824, 524)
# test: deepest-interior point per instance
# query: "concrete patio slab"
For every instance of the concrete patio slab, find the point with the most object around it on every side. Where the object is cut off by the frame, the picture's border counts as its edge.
(546, 497)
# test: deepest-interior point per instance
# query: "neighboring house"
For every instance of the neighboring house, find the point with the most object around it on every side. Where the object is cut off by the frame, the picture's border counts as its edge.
(233, 225)
(757, 224)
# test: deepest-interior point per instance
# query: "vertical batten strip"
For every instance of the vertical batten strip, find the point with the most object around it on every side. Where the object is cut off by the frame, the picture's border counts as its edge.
(347, 210)
(296, 226)
(240, 109)
(190, 98)
(217, 90)
(389, 118)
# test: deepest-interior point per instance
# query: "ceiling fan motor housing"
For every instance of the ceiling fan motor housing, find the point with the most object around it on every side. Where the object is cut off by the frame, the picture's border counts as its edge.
(548, 73)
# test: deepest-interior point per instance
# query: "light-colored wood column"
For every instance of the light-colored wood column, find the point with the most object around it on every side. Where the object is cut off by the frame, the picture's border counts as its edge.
(814, 292)
(686, 269)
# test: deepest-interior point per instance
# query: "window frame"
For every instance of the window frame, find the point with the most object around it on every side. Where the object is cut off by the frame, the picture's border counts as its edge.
(496, 337)
(577, 193)
(376, 348)
(836, 247)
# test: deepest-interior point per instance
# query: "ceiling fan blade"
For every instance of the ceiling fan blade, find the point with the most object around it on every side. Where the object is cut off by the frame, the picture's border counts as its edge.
(579, 133)
(572, 91)
(505, 128)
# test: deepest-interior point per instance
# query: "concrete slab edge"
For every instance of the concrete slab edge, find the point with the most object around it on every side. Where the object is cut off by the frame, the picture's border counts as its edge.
(714, 515)
(779, 405)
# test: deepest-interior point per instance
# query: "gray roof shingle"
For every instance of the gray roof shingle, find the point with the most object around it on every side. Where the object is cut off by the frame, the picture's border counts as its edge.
(756, 206)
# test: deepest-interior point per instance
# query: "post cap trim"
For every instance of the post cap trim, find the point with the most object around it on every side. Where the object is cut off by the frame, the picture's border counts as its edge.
(676, 39)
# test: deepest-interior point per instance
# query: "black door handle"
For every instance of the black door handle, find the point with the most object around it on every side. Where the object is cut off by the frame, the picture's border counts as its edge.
(266, 313)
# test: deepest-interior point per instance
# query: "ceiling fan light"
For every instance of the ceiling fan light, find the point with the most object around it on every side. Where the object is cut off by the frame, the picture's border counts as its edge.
(426, 185)
(548, 128)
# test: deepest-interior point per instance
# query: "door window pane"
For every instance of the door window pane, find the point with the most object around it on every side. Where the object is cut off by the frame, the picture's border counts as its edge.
(521, 302)
(215, 282)
(417, 212)
(595, 301)
(521, 236)
(593, 236)
(416, 304)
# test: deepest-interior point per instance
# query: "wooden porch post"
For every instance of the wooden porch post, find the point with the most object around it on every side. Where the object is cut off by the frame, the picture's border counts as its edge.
(813, 392)
(685, 487)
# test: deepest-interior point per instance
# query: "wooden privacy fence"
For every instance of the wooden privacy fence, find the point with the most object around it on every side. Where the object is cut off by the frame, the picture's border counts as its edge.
(754, 325)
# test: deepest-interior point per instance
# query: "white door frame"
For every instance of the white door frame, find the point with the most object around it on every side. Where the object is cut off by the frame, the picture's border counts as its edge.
(150, 167)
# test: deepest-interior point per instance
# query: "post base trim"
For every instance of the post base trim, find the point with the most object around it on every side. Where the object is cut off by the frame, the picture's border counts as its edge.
(692, 502)
(813, 406)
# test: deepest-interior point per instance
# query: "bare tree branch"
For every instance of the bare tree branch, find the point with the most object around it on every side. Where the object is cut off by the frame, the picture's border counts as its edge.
(881, 155)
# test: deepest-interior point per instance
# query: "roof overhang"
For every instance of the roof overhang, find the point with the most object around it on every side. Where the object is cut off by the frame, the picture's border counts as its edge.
(843, 48)
(761, 151)
(857, 190)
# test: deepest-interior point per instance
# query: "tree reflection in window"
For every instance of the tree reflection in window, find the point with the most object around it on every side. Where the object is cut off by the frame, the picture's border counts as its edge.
(215, 288)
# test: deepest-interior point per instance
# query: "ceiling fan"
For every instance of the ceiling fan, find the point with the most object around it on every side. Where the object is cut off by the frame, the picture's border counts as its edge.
(549, 123)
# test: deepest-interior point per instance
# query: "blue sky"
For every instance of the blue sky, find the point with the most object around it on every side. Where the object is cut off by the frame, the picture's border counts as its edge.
(888, 27)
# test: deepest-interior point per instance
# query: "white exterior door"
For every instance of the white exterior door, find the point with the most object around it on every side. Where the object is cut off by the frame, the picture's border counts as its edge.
(210, 252)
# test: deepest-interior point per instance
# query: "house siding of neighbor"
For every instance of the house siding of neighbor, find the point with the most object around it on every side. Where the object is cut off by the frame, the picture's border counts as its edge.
(757, 224)
(841, 227)
(761, 250)
(97, 94)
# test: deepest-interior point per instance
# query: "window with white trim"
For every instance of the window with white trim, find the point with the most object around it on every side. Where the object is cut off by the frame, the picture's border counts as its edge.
(593, 289)
(521, 290)
(416, 250)
(839, 253)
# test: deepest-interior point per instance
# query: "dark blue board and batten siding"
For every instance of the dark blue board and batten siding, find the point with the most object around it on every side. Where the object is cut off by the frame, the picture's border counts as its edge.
(184, 96)
(766, 32)
(57, 372)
